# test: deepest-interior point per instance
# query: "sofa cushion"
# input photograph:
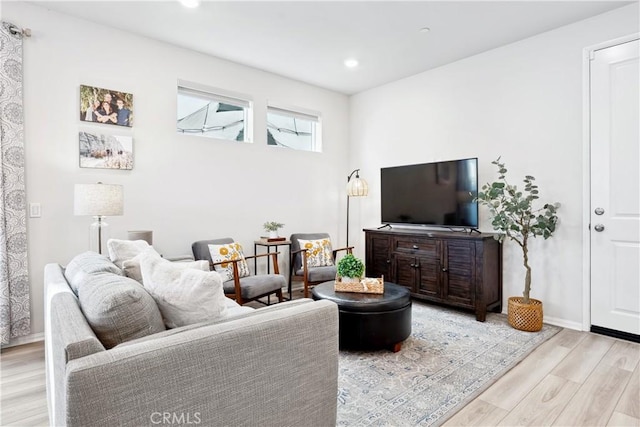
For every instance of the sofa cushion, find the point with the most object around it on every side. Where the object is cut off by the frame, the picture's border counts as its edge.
(319, 252)
(118, 308)
(255, 286)
(85, 264)
(132, 268)
(122, 250)
(185, 295)
(229, 252)
(319, 274)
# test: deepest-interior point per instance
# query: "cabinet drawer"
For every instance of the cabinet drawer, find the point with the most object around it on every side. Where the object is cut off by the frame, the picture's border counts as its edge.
(423, 246)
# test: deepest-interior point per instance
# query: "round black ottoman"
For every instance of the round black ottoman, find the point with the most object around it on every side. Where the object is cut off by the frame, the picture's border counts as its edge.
(370, 321)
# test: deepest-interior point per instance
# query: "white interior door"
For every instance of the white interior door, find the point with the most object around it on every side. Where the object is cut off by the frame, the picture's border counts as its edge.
(615, 188)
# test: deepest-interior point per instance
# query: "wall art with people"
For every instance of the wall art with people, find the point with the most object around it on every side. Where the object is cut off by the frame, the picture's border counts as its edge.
(107, 106)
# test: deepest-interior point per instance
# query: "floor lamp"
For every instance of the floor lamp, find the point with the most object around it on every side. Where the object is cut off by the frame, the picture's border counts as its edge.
(98, 200)
(356, 187)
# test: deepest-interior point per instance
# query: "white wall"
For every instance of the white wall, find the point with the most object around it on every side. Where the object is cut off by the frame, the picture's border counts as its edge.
(523, 102)
(184, 188)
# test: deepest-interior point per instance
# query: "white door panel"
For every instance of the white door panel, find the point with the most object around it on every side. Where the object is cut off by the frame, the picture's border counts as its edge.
(615, 188)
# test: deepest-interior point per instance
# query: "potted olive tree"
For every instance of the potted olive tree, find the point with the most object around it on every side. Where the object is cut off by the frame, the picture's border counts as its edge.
(515, 217)
(350, 268)
(272, 228)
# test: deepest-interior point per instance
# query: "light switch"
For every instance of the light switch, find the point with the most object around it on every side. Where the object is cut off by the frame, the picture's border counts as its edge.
(34, 210)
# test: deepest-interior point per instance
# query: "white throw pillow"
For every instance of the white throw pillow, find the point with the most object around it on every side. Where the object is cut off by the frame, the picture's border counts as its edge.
(228, 252)
(131, 267)
(184, 295)
(122, 250)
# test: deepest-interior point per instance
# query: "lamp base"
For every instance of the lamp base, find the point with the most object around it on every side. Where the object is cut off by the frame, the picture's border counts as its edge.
(98, 235)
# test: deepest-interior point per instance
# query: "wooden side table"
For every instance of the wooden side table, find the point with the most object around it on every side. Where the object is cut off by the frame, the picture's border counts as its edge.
(269, 244)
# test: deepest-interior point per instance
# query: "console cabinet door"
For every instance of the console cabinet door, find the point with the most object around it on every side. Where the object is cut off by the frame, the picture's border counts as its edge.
(378, 257)
(459, 272)
(404, 271)
(428, 268)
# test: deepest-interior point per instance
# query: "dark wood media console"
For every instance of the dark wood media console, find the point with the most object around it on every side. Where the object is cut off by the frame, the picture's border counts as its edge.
(458, 269)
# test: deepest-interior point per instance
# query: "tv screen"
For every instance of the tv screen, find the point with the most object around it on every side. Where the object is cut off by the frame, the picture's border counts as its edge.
(439, 194)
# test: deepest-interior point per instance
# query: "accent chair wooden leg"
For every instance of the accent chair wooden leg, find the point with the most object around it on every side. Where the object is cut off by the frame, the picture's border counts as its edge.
(306, 290)
(279, 294)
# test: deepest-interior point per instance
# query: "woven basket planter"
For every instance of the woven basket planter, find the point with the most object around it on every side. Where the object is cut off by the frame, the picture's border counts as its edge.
(525, 317)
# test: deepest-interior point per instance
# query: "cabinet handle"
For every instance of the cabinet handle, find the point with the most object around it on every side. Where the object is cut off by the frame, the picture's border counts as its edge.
(445, 269)
(417, 265)
(388, 261)
(412, 265)
(415, 247)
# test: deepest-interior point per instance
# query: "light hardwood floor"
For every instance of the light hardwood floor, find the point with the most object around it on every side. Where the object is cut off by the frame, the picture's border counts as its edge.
(574, 379)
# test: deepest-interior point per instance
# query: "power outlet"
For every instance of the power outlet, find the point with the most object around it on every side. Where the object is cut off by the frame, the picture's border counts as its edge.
(34, 210)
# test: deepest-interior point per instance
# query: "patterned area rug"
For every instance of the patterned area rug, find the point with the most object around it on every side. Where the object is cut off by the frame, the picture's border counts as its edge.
(447, 361)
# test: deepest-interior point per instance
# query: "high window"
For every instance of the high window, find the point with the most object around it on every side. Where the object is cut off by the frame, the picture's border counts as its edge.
(293, 129)
(213, 113)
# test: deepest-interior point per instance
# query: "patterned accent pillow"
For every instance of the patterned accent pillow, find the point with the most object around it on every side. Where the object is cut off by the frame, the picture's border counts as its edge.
(319, 252)
(227, 252)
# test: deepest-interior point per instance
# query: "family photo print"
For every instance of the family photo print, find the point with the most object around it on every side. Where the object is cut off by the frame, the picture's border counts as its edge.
(106, 106)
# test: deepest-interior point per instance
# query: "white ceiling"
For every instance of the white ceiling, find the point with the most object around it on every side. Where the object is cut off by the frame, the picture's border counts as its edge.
(309, 40)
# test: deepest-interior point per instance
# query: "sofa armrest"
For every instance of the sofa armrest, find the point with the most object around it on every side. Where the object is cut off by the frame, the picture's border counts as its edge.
(73, 337)
(278, 368)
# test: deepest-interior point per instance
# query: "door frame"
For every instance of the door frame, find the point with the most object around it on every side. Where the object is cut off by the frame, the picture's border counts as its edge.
(587, 54)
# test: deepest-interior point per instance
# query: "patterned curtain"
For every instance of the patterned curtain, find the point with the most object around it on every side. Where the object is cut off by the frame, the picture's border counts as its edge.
(14, 281)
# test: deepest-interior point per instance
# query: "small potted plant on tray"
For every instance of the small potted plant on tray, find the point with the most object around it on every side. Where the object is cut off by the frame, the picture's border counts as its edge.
(350, 268)
(515, 217)
(272, 228)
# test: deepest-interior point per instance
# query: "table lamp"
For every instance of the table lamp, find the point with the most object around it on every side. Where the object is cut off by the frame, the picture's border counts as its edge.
(98, 200)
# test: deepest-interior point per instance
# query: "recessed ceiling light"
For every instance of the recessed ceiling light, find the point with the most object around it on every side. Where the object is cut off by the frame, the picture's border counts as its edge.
(190, 3)
(425, 29)
(351, 63)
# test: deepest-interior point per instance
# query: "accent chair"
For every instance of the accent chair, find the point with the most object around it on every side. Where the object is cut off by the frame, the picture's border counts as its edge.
(248, 288)
(302, 269)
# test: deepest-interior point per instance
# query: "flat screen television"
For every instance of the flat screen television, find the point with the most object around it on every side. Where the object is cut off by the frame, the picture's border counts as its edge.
(431, 194)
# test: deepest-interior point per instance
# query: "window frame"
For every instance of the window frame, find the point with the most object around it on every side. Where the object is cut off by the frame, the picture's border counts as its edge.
(296, 112)
(219, 95)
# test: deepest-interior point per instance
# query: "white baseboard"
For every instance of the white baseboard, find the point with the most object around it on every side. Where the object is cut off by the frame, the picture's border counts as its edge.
(27, 339)
(563, 323)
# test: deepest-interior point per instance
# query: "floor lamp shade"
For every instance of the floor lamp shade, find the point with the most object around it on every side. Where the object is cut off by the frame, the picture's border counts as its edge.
(98, 200)
(356, 187)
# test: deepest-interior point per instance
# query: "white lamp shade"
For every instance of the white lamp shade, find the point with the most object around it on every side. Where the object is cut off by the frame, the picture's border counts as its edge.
(357, 187)
(98, 199)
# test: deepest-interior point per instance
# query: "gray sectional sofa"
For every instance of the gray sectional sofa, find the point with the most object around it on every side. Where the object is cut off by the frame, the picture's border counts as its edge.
(273, 366)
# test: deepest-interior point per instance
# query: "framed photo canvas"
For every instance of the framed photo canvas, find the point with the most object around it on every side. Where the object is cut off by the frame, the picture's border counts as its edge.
(106, 106)
(105, 151)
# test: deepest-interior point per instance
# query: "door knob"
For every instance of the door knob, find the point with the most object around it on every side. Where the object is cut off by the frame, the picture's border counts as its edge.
(599, 211)
(599, 227)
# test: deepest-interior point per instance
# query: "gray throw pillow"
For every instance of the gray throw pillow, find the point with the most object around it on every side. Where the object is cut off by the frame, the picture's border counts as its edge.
(118, 308)
(85, 264)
